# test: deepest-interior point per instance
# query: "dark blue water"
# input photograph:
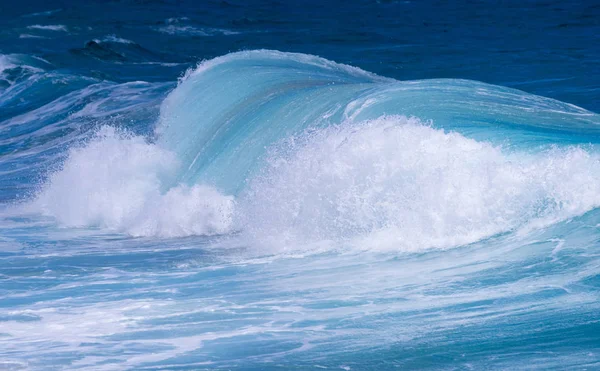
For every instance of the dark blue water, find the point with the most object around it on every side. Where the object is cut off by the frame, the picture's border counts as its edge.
(542, 47)
(271, 209)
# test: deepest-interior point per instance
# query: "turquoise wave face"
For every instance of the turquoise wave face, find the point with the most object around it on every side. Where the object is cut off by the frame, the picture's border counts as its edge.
(227, 111)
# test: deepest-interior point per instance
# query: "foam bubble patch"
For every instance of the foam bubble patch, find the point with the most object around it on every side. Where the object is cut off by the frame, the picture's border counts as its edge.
(396, 183)
(117, 181)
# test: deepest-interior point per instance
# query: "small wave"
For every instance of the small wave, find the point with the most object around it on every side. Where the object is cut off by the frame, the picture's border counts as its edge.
(50, 27)
(178, 26)
(176, 20)
(43, 14)
(16, 66)
(114, 39)
(194, 31)
(28, 36)
(119, 50)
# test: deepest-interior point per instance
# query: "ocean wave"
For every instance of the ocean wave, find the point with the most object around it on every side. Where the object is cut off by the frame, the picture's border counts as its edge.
(295, 149)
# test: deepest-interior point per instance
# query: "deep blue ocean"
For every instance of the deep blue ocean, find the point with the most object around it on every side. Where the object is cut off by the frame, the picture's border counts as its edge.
(280, 185)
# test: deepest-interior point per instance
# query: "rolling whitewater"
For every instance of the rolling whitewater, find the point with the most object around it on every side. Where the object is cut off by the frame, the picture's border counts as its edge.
(269, 185)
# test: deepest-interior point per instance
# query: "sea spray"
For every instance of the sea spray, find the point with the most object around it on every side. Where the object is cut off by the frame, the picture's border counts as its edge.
(116, 181)
(398, 184)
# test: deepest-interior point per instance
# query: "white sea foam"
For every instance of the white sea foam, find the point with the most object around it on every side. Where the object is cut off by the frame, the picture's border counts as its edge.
(194, 31)
(29, 36)
(117, 181)
(114, 39)
(395, 183)
(48, 27)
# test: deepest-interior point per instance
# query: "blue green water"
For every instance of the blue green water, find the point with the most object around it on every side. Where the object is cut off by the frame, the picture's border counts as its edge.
(278, 185)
